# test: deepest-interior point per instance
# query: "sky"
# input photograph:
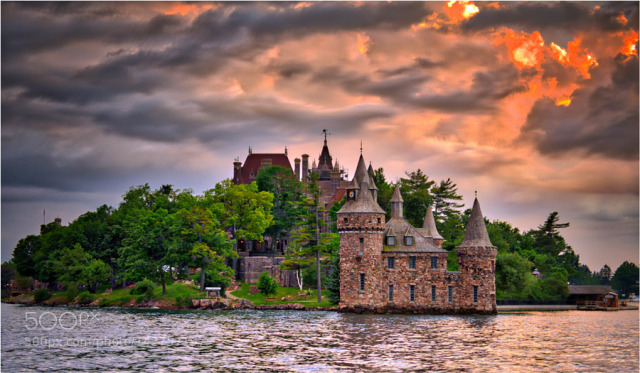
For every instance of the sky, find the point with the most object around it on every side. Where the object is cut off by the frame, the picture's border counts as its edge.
(534, 105)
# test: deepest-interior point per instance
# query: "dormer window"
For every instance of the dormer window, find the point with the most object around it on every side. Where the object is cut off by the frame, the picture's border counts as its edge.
(408, 240)
(391, 240)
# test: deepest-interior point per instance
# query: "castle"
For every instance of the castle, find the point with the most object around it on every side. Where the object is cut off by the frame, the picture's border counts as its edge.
(391, 266)
(257, 256)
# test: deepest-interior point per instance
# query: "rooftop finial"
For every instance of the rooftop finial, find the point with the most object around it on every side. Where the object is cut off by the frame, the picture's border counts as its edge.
(285, 151)
(325, 135)
(360, 147)
(476, 193)
(250, 151)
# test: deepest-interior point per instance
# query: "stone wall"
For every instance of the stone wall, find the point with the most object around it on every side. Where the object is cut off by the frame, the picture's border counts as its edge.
(370, 227)
(477, 268)
(252, 266)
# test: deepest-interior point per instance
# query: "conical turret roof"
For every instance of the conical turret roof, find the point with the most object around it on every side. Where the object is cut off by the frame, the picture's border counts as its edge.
(325, 161)
(362, 175)
(476, 234)
(364, 203)
(397, 197)
(429, 226)
(370, 169)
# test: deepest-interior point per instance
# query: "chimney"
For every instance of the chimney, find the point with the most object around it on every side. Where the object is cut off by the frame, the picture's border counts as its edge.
(305, 167)
(58, 221)
(297, 168)
(237, 166)
(396, 203)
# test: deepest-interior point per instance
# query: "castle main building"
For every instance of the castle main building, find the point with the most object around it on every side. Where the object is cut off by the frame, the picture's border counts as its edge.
(391, 266)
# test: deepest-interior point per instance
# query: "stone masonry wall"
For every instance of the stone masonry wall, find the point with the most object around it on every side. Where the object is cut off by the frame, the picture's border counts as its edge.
(477, 268)
(370, 227)
(252, 266)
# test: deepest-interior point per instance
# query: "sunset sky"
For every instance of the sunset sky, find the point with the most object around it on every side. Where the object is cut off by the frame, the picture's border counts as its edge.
(534, 105)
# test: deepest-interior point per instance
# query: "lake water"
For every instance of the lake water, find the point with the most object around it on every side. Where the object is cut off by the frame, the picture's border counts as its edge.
(72, 339)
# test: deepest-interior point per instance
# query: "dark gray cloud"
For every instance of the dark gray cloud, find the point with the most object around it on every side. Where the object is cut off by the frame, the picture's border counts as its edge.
(601, 120)
(558, 15)
(317, 17)
(404, 89)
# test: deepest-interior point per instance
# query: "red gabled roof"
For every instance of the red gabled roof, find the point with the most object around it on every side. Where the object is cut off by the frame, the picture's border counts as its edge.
(254, 161)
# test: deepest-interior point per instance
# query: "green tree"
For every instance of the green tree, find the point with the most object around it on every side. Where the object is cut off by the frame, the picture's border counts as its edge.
(68, 264)
(286, 191)
(95, 272)
(24, 255)
(333, 281)
(266, 284)
(247, 211)
(604, 275)
(513, 276)
(385, 191)
(547, 238)
(625, 279)
(146, 247)
(415, 192)
(445, 194)
(201, 231)
(308, 236)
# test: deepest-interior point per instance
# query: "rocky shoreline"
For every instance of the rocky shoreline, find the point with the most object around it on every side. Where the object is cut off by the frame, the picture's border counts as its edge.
(166, 304)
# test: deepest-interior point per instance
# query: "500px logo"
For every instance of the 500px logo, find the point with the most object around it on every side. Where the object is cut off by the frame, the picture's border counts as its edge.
(66, 320)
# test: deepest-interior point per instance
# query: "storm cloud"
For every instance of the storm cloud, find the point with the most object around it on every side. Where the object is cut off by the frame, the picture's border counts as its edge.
(523, 100)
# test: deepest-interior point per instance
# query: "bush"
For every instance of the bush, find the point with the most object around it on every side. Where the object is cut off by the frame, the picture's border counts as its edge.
(104, 302)
(85, 298)
(183, 301)
(266, 284)
(145, 288)
(71, 293)
(41, 295)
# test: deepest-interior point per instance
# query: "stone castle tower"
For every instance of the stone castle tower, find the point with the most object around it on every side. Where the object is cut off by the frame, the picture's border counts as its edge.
(477, 263)
(391, 266)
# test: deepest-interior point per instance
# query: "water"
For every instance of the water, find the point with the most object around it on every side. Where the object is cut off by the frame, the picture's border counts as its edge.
(108, 340)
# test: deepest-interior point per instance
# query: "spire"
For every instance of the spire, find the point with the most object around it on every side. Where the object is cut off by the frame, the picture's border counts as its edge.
(325, 161)
(396, 203)
(370, 169)
(362, 175)
(430, 224)
(476, 234)
(363, 204)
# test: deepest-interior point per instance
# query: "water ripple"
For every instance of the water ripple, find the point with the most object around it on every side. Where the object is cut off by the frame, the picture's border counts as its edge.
(275, 341)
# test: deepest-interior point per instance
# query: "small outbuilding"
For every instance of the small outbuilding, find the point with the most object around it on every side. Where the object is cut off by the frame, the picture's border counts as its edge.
(593, 296)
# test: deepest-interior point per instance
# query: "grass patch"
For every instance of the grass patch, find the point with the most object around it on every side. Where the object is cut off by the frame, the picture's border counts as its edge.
(310, 301)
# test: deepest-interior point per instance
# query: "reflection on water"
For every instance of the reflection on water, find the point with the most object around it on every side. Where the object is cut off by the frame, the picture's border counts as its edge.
(66, 339)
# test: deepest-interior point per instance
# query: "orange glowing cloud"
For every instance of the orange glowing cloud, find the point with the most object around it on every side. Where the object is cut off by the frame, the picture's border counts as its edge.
(364, 43)
(461, 10)
(527, 50)
(630, 40)
(188, 9)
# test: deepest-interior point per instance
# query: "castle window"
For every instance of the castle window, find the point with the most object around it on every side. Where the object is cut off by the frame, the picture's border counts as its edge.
(434, 262)
(346, 220)
(379, 221)
(475, 294)
(390, 293)
(391, 262)
(412, 262)
(391, 240)
(361, 252)
(408, 240)
(362, 281)
(493, 266)
(433, 293)
(412, 293)
(450, 294)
